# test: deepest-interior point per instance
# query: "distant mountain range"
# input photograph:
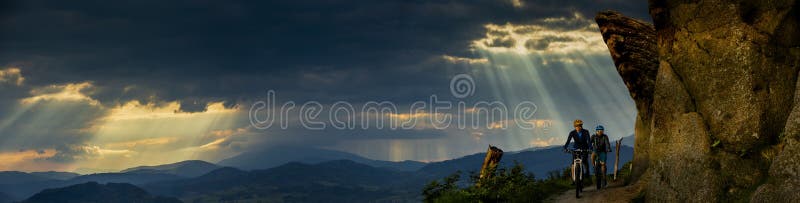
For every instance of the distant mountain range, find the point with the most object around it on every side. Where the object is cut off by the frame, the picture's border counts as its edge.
(19, 185)
(334, 176)
(628, 141)
(276, 156)
(191, 168)
(6, 198)
(21, 190)
(16, 177)
(332, 181)
(56, 175)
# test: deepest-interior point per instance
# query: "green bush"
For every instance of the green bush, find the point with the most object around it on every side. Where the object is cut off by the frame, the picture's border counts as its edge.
(504, 185)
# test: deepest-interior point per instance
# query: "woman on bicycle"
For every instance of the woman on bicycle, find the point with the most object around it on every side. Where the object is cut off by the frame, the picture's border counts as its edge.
(601, 147)
(581, 137)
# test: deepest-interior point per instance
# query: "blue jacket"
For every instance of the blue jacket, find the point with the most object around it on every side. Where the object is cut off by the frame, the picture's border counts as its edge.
(581, 142)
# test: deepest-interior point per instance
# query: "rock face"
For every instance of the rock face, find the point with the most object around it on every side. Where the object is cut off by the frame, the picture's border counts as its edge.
(715, 83)
(633, 47)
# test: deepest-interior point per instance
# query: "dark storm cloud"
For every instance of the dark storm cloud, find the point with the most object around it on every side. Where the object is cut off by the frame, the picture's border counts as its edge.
(198, 52)
(191, 106)
(202, 51)
(542, 44)
(501, 42)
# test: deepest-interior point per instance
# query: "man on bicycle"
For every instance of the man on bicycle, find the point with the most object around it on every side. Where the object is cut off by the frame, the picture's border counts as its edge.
(581, 137)
(601, 146)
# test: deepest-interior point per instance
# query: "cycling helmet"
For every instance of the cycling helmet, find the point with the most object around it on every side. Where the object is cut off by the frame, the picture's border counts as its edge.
(599, 127)
(577, 122)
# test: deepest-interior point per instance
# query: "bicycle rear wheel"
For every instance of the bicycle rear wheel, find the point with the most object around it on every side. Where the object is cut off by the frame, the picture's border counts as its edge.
(599, 176)
(579, 181)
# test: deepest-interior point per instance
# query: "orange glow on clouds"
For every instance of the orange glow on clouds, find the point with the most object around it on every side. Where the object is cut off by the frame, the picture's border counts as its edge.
(12, 75)
(64, 92)
(28, 160)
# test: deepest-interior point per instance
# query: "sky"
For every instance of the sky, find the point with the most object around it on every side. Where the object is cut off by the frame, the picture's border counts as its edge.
(101, 85)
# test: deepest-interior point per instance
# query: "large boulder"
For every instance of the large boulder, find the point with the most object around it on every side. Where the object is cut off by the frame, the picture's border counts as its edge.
(633, 47)
(719, 112)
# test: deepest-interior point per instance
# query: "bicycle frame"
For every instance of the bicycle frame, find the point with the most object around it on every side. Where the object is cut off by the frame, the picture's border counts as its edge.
(577, 165)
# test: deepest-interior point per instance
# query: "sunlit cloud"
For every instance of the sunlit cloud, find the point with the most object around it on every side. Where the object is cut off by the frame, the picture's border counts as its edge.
(26, 160)
(540, 142)
(220, 138)
(115, 137)
(420, 120)
(102, 152)
(498, 124)
(11, 75)
(527, 124)
(464, 60)
(477, 135)
(213, 144)
(137, 120)
(551, 36)
(134, 110)
(54, 121)
(220, 144)
(229, 132)
(540, 123)
(141, 142)
(62, 92)
(157, 133)
(75, 130)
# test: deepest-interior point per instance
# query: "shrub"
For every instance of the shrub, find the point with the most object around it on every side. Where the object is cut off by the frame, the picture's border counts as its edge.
(504, 185)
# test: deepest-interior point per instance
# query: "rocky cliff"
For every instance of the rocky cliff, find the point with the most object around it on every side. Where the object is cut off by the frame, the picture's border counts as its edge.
(715, 84)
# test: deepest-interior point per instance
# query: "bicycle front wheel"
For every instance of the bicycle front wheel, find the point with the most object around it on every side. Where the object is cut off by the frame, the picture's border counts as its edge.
(579, 181)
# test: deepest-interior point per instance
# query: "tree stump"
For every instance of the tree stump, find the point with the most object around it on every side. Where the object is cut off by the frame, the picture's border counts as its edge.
(493, 155)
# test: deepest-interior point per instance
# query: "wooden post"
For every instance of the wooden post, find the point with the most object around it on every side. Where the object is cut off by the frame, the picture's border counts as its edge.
(616, 159)
(493, 155)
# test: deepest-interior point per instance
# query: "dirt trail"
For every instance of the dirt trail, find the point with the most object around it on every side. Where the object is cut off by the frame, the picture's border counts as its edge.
(615, 192)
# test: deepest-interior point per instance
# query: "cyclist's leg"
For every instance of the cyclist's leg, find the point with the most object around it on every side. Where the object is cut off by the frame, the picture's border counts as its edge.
(586, 165)
(596, 163)
(603, 166)
(579, 181)
(597, 171)
(572, 169)
(603, 161)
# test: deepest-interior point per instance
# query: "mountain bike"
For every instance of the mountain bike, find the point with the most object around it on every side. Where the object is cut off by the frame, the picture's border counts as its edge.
(599, 174)
(577, 165)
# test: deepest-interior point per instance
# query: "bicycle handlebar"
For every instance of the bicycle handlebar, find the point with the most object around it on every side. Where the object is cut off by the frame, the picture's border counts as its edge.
(578, 150)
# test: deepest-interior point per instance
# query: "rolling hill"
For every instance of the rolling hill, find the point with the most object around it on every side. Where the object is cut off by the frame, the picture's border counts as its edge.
(190, 168)
(276, 156)
(332, 181)
(56, 175)
(95, 192)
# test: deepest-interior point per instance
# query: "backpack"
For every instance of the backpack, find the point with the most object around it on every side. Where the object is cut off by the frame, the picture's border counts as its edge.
(599, 142)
